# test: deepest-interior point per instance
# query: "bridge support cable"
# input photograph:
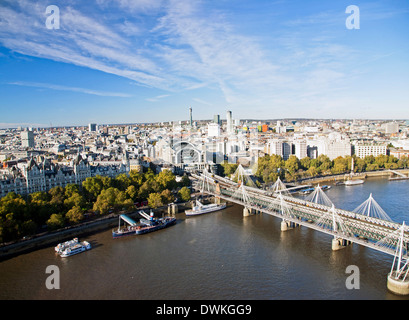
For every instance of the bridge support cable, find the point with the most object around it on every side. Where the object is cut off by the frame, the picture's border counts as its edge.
(206, 179)
(287, 214)
(318, 196)
(371, 208)
(243, 177)
(280, 188)
(332, 223)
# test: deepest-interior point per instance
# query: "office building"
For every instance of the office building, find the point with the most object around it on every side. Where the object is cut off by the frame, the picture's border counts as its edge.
(92, 127)
(27, 139)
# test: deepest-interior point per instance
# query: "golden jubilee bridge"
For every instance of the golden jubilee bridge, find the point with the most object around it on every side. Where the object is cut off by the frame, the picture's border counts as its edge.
(368, 225)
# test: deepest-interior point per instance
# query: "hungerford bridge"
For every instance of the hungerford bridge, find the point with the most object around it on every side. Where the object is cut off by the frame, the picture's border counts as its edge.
(368, 225)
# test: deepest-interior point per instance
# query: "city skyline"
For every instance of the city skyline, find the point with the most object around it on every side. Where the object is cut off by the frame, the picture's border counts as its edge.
(141, 62)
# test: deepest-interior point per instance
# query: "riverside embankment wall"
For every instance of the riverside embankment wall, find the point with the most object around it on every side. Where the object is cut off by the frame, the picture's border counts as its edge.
(53, 238)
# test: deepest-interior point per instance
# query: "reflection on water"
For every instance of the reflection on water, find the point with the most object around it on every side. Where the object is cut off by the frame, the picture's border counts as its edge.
(221, 255)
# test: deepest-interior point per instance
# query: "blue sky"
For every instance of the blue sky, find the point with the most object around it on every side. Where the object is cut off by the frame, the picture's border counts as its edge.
(126, 61)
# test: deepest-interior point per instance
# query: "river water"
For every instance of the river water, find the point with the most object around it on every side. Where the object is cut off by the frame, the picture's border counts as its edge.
(221, 255)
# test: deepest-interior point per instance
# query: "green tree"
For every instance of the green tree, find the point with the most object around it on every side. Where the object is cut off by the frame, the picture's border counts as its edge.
(70, 189)
(101, 206)
(372, 167)
(229, 168)
(340, 165)
(76, 200)
(9, 229)
(75, 215)
(269, 168)
(55, 221)
(166, 180)
(312, 171)
(155, 200)
(391, 165)
(93, 186)
(360, 165)
(136, 178)
(325, 163)
(185, 181)
(292, 164)
(403, 162)
(132, 192)
(184, 194)
(167, 196)
(57, 198)
(122, 181)
(305, 163)
(107, 182)
(148, 187)
(369, 160)
(39, 208)
(111, 198)
(28, 227)
(149, 175)
(381, 160)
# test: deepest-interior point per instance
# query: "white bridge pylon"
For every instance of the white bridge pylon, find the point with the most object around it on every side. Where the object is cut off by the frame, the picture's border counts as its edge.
(371, 208)
(207, 179)
(399, 270)
(243, 178)
(280, 187)
(318, 196)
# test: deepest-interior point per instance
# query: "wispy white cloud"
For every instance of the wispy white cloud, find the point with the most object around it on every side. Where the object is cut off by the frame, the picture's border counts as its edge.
(201, 101)
(73, 89)
(157, 98)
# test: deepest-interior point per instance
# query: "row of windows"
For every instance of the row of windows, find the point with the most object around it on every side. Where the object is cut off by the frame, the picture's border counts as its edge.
(42, 183)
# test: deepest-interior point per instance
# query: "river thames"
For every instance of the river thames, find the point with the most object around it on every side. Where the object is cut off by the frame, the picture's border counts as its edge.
(221, 255)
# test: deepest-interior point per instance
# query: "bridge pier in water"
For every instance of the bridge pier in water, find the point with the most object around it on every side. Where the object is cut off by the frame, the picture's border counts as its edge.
(339, 243)
(398, 281)
(247, 212)
(397, 285)
(288, 225)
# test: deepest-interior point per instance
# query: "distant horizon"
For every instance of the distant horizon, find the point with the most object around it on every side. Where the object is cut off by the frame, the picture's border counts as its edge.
(201, 120)
(73, 62)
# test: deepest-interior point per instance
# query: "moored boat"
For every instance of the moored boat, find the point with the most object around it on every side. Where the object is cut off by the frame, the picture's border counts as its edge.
(64, 245)
(75, 249)
(307, 191)
(353, 182)
(154, 225)
(145, 225)
(206, 208)
(125, 231)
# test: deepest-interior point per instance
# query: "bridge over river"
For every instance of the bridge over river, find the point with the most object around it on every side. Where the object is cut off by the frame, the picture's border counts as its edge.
(368, 226)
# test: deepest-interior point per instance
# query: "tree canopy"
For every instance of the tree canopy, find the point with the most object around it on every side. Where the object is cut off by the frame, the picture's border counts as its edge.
(60, 206)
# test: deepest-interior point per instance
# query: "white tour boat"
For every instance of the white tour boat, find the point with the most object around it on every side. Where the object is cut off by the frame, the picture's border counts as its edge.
(204, 208)
(354, 182)
(64, 245)
(77, 248)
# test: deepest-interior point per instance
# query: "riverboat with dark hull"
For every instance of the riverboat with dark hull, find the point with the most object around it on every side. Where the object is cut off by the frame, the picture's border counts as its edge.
(146, 225)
